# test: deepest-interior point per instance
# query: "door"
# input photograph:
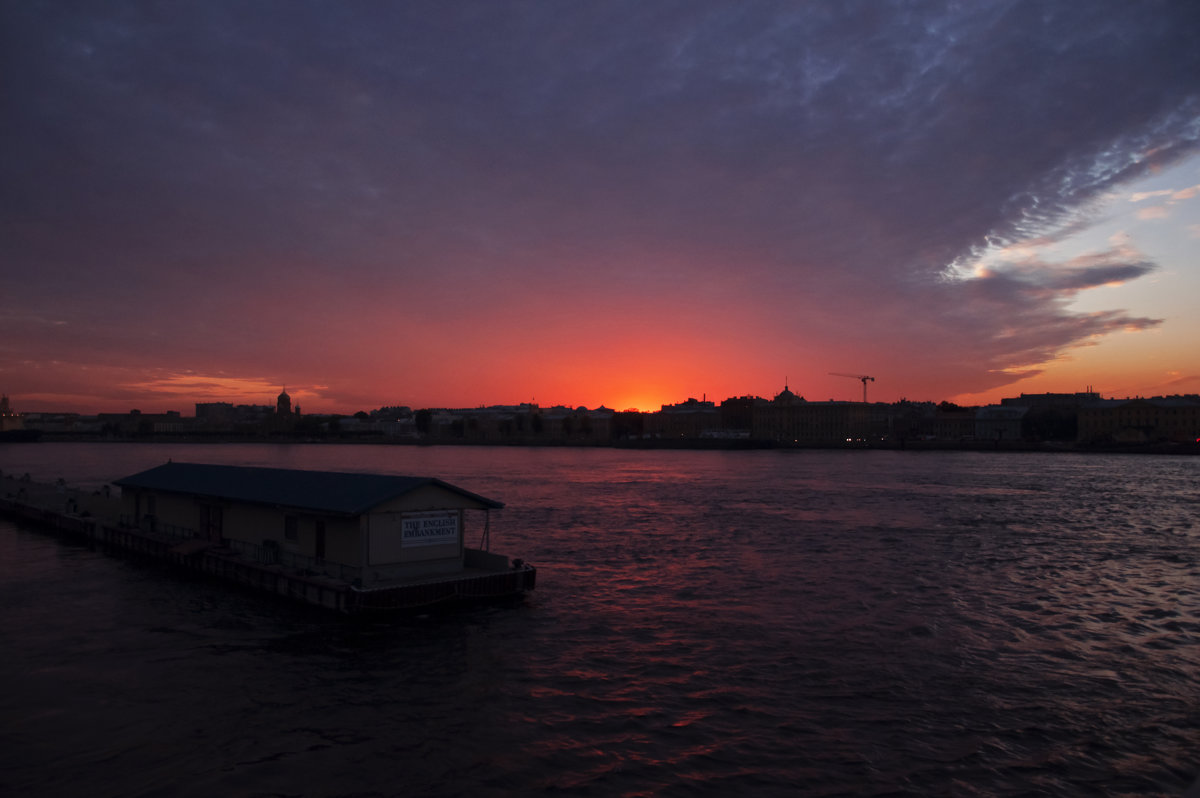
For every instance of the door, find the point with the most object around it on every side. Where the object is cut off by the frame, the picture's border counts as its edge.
(210, 522)
(319, 552)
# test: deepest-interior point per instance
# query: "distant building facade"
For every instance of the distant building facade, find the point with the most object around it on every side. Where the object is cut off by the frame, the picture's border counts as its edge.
(691, 419)
(999, 423)
(1172, 419)
(10, 420)
(788, 418)
(737, 414)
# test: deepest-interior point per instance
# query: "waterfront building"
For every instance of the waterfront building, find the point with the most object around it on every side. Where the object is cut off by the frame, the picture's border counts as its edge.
(1052, 416)
(369, 528)
(1039, 401)
(789, 418)
(401, 429)
(226, 417)
(1173, 419)
(12, 424)
(690, 419)
(10, 420)
(999, 422)
(737, 415)
(135, 423)
(576, 425)
(954, 423)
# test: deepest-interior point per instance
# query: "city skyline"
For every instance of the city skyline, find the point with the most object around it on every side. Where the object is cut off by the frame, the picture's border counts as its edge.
(282, 404)
(620, 204)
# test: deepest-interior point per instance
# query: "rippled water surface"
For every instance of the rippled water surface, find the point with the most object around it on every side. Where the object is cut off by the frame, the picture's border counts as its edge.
(706, 623)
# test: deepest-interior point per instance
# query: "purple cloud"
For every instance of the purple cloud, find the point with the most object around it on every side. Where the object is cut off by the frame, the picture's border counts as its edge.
(177, 161)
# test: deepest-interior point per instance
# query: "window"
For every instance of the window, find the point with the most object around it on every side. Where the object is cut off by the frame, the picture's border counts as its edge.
(291, 528)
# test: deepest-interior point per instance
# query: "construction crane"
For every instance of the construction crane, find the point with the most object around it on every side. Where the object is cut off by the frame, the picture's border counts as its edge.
(862, 377)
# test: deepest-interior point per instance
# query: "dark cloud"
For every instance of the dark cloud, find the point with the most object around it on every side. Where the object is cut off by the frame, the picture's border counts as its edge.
(1072, 279)
(842, 150)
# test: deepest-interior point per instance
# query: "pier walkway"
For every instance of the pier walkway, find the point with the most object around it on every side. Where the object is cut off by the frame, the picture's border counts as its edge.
(97, 515)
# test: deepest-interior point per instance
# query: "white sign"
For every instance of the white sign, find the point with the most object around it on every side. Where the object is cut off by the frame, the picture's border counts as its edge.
(429, 530)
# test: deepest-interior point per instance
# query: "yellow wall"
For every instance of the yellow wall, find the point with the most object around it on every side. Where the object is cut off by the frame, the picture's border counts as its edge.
(344, 536)
(384, 533)
(425, 498)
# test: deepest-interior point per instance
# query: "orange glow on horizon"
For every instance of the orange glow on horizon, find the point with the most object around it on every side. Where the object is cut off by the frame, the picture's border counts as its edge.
(642, 404)
(665, 369)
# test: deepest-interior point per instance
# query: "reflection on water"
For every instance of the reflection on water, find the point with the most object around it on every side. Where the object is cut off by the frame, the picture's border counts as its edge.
(777, 623)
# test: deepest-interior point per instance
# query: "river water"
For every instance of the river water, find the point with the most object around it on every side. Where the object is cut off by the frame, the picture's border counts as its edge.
(705, 623)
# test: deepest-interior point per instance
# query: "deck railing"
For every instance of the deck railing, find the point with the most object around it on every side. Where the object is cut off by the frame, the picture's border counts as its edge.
(154, 526)
(273, 554)
(269, 554)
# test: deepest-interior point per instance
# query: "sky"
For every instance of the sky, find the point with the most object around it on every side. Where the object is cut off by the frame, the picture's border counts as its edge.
(623, 203)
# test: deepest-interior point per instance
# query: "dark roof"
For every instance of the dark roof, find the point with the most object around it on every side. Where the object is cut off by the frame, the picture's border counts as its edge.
(1156, 401)
(323, 491)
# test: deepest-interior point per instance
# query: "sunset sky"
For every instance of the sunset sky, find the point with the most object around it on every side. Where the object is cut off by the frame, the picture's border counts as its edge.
(618, 203)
